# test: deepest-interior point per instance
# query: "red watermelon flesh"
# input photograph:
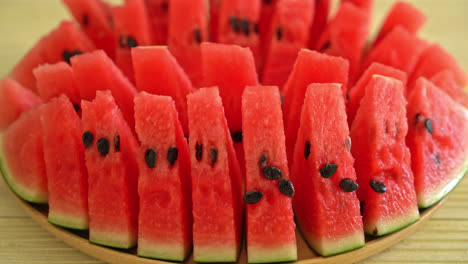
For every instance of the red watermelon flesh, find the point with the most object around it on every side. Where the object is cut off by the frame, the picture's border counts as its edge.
(266, 14)
(358, 91)
(310, 67)
(365, 5)
(435, 59)
(132, 28)
(288, 34)
(345, 36)
(158, 72)
(94, 72)
(237, 19)
(95, 21)
(216, 180)
(14, 100)
(321, 11)
(22, 157)
(215, 9)
(328, 214)
(165, 218)
(438, 140)
(55, 79)
(158, 12)
(270, 222)
(67, 177)
(446, 81)
(398, 49)
(188, 28)
(112, 173)
(402, 14)
(386, 183)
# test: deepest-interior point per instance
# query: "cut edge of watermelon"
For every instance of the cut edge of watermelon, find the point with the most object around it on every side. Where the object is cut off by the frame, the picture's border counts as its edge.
(215, 253)
(162, 250)
(16, 187)
(282, 253)
(331, 247)
(388, 226)
(120, 240)
(62, 219)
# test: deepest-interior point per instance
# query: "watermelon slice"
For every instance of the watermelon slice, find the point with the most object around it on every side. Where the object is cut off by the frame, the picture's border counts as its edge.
(345, 36)
(266, 152)
(132, 28)
(111, 152)
(157, 72)
(165, 218)
(266, 13)
(358, 91)
(435, 59)
(96, 22)
(438, 140)
(399, 49)
(188, 28)
(215, 9)
(95, 71)
(446, 81)
(158, 13)
(55, 79)
(61, 44)
(321, 11)
(310, 67)
(67, 177)
(14, 100)
(402, 14)
(216, 180)
(382, 159)
(288, 34)
(237, 20)
(22, 157)
(326, 205)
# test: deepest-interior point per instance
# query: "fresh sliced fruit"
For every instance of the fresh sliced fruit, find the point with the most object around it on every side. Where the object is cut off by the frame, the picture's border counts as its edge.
(386, 183)
(446, 81)
(158, 72)
(164, 188)
(111, 152)
(438, 140)
(67, 177)
(158, 13)
(270, 223)
(14, 100)
(326, 205)
(216, 180)
(321, 12)
(215, 9)
(266, 14)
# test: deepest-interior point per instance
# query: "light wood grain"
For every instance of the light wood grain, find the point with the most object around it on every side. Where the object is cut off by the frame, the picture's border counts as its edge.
(442, 239)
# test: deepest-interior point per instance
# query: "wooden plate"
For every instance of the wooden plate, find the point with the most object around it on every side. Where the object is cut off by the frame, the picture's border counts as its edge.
(79, 240)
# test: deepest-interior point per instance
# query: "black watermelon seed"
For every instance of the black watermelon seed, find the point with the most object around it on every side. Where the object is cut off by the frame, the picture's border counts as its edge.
(197, 35)
(438, 159)
(348, 185)
(122, 42)
(361, 207)
(150, 158)
(234, 23)
(236, 136)
(286, 187)
(347, 97)
(103, 146)
(418, 118)
(198, 151)
(279, 33)
(67, 55)
(272, 173)
(213, 156)
(172, 155)
(88, 139)
(76, 107)
(328, 170)
(131, 42)
(347, 143)
(245, 26)
(377, 186)
(253, 197)
(255, 27)
(85, 20)
(325, 47)
(307, 149)
(428, 125)
(117, 142)
(262, 161)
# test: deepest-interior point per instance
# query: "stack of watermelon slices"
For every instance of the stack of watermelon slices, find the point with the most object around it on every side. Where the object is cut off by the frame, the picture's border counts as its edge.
(173, 148)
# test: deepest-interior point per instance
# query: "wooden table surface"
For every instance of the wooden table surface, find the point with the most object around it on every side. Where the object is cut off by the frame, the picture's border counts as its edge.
(443, 239)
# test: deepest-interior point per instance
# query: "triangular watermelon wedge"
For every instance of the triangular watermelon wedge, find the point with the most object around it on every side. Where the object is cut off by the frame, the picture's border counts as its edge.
(438, 140)
(158, 12)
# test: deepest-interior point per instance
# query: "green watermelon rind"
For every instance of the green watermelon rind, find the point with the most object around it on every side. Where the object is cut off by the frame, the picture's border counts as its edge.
(284, 253)
(162, 251)
(111, 240)
(17, 188)
(214, 254)
(68, 221)
(402, 222)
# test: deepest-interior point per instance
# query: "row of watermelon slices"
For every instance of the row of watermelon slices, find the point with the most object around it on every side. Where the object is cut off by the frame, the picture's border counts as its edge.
(437, 139)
